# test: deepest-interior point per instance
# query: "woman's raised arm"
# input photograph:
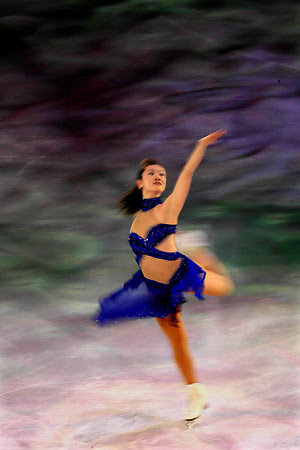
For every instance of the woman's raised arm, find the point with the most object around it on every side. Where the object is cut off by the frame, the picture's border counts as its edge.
(175, 201)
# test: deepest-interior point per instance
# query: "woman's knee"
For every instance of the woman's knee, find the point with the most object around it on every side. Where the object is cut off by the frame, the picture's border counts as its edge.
(230, 287)
(171, 319)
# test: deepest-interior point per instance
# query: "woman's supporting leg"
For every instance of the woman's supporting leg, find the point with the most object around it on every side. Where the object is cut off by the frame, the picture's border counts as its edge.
(179, 342)
(195, 392)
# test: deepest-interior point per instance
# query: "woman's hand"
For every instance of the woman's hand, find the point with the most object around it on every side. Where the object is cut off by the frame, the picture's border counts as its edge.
(212, 138)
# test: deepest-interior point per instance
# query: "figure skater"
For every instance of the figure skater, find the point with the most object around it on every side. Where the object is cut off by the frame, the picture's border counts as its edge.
(157, 288)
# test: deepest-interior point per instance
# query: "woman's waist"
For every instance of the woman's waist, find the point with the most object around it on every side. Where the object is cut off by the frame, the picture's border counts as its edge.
(155, 253)
(159, 270)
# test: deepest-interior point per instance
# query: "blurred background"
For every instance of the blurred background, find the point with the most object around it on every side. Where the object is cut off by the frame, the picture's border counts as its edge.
(89, 88)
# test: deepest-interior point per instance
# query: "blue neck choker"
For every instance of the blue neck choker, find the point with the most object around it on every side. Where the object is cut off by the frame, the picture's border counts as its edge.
(149, 203)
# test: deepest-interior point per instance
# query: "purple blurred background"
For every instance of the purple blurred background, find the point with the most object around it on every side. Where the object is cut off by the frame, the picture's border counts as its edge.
(90, 88)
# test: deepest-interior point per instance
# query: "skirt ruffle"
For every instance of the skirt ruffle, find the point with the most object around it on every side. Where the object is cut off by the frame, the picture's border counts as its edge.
(143, 298)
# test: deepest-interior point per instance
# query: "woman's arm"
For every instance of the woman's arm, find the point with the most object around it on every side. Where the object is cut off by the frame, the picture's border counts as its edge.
(175, 201)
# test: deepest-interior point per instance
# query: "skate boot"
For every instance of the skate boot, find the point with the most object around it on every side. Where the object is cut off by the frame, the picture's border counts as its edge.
(195, 404)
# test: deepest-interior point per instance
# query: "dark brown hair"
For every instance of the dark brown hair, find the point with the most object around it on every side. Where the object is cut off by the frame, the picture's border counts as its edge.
(131, 202)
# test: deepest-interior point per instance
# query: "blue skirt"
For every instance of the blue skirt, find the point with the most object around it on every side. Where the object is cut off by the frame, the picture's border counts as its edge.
(141, 298)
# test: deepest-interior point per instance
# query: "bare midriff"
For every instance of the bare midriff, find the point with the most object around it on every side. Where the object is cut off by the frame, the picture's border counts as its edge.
(156, 269)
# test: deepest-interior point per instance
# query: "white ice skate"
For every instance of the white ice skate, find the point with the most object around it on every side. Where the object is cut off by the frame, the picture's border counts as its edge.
(191, 239)
(196, 403)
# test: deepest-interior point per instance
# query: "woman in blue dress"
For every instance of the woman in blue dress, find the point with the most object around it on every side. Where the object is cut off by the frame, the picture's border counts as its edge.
(157, 288)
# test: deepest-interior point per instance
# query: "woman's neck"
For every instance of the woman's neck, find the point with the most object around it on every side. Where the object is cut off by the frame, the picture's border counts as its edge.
(149, 203)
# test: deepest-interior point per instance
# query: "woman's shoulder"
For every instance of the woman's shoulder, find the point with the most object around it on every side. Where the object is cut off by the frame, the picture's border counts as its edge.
(136, 214)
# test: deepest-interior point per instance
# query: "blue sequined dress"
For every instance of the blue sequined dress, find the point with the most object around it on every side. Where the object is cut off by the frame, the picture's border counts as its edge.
(140, 297)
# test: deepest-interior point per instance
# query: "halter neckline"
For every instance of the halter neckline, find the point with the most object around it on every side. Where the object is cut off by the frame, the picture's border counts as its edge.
(149, 203)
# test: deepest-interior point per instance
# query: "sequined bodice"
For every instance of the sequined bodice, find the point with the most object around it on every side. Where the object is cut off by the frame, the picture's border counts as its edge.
(156, 234)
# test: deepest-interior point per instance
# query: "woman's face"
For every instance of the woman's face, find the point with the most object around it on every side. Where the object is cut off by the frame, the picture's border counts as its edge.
(153, 181)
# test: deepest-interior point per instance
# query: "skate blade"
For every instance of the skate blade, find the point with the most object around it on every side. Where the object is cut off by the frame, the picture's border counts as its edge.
(190, 423)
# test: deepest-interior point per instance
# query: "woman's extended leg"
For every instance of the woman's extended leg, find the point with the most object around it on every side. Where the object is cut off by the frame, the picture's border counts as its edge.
(218, 285)
(217, 281)
(179, 342)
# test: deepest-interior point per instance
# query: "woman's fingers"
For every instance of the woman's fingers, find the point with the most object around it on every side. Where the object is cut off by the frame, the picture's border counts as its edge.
(213, 137)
